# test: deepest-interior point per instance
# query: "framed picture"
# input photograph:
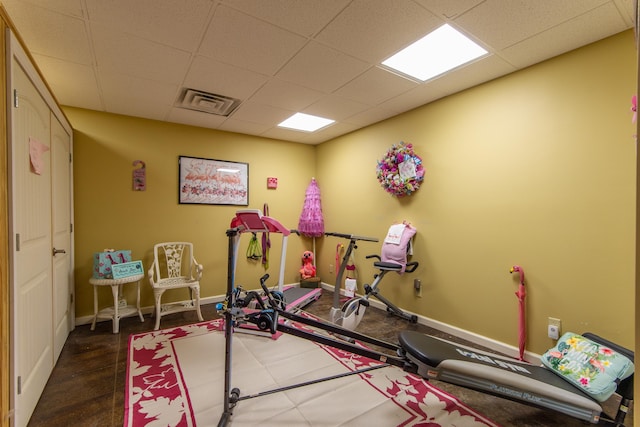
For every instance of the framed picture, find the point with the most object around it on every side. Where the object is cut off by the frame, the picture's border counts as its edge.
(212, 182)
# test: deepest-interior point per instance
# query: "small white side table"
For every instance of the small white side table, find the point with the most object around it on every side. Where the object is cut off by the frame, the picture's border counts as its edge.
(116, 312)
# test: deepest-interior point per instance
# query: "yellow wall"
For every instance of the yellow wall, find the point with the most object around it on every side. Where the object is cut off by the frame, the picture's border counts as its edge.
(108, 214)
(536, 168)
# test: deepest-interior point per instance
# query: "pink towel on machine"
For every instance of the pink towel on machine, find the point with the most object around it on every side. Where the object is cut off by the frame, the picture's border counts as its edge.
(396, 244)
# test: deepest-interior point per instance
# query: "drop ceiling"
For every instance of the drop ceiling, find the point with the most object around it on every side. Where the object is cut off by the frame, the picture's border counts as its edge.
(278, 57)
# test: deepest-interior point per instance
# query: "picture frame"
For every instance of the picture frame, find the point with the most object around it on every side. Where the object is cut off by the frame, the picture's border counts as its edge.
(212, 182)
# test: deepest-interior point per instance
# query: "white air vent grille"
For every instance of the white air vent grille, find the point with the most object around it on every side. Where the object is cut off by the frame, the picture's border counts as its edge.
(205, 102)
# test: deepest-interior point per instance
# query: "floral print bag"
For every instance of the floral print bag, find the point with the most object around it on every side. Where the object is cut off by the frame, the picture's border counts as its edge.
(592, 367)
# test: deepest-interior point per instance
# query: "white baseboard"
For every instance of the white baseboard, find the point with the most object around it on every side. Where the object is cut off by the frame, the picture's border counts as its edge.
(494, 345)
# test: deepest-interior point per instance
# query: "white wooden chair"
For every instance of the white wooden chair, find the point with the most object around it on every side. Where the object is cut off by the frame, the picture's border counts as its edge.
(174, 267)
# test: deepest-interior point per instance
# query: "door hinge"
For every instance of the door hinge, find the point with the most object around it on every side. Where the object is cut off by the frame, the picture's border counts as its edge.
(19, 385)
(71, 227)
(17, 242)
(15, 98)
(71, 299)
(70, 158)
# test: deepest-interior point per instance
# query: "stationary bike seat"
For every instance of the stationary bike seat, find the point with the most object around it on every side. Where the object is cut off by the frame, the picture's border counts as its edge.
(390, 266)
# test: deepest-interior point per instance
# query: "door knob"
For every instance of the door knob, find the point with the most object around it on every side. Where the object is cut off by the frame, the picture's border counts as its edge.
(58, 251)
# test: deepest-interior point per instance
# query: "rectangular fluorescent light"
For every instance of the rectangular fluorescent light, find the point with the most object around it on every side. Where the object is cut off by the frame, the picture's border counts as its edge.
(438, 52)
(305, 122)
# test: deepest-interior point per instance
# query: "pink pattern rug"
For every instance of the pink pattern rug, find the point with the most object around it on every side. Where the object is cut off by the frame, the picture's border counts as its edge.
(175, 377)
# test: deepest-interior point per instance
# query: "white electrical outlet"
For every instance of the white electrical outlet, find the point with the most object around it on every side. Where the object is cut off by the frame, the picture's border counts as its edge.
(553, 328)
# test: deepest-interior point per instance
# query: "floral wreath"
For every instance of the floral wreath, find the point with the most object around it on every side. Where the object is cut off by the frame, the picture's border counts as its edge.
(400, 171)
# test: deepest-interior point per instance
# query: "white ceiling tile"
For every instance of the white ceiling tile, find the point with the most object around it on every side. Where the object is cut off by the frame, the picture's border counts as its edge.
(373, 30)
(501, 24)
(260, 113)
(125, 54)
(321, 68)
(194, 118)
(335, 107)
(233, 124)
(66, 7)
(579, 31)
(414, 98)
(448, 9)
(285, 134)
(333, 131)
(375, 86)
(131, 94)
(81, 91)
(246, 42)
(176, 24)
(285, 95)
(370, 116)
(223, 79)
(627, 10)
(473, 74)
(51, 33)
(305, 17)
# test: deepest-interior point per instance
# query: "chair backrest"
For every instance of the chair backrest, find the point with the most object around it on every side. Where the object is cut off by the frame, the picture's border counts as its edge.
(173, 260)
(396, 245)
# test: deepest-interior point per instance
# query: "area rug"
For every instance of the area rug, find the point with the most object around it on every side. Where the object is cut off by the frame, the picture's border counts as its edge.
(175, 377)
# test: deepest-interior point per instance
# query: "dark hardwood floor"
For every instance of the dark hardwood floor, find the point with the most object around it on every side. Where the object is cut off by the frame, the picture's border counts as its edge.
(86, 387)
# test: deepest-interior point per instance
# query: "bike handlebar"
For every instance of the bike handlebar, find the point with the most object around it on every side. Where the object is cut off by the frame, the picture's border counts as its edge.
(411, 267)
(351, 236)
(263, 279)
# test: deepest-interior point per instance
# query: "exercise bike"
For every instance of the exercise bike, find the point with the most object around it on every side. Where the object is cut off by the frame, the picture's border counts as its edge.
(353, 310)
(395, 260)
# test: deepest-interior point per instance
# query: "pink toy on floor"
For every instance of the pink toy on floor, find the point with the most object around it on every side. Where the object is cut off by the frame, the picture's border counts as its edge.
(308, 270)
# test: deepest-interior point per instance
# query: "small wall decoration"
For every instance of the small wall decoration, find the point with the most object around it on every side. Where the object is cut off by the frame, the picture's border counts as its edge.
(139, 176)
(213, 182)
(36, 150)
(400, 171)
(272, 183)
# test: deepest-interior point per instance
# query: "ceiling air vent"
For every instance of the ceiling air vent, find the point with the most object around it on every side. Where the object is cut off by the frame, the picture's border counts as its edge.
(205, 102)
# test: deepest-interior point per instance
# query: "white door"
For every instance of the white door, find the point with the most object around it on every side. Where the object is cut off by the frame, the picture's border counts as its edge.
(32, 260)
(63, 314)
(40, 182)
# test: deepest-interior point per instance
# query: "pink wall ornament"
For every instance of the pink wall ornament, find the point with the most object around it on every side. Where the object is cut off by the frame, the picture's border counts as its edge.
(139, 176)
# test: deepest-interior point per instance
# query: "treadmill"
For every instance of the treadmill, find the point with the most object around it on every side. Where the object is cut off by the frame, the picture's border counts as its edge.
(295, 297)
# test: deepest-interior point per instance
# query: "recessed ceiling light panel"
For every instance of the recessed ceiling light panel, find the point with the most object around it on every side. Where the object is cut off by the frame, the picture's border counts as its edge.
(305, 122)
(436, 53)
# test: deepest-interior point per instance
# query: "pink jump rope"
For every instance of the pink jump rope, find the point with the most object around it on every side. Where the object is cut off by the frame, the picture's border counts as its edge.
(521, 294)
